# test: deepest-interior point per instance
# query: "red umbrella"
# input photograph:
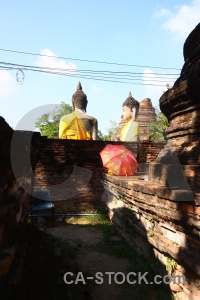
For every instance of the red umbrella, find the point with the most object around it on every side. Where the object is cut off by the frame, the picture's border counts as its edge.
(119, 160)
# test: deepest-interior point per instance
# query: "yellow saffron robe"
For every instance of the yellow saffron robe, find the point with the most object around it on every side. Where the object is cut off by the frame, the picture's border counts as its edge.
(72, 127)
(129, 131)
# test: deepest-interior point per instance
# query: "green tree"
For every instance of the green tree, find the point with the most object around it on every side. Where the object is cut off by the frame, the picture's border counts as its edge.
(100, 136)
(48, 124)
(157, 127)
(112, 130)
(168, 86)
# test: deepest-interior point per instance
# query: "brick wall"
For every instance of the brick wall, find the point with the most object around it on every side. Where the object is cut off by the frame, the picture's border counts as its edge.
(13, 208)
(162, 223)
(71, 170)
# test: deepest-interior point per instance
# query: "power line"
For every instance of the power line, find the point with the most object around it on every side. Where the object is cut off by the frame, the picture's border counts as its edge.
(105, 72)
(95, 75)
(86, 60)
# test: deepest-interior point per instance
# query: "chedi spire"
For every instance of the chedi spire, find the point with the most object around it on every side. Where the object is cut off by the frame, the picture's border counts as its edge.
(79, 98)
(79, 86)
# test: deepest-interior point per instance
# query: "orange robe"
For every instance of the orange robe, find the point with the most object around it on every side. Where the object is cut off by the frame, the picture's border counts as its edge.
(72, 127)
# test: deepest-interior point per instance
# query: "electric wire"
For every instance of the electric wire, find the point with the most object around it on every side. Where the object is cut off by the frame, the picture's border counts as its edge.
(93, 71)
(95, 75)
(87, 60)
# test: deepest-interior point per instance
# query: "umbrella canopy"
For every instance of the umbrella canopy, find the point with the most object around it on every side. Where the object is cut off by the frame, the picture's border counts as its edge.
(119, 160)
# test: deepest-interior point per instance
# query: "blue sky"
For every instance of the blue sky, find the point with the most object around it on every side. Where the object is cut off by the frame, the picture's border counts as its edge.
(136, 36)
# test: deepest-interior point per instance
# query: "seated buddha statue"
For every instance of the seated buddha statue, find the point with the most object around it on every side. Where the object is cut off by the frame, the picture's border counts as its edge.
(130, 131)
(78, 125)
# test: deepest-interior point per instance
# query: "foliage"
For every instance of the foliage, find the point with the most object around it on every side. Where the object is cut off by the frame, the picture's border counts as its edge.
(171, 265)
(48, 124)
(157, 127)
(100, 136)
(97, 219)
(112, 130)
(150, 234)
(150, 219)
(168, 86)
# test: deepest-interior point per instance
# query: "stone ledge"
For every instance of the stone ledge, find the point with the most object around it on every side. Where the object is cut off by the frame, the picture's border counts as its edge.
(158, 228)
(137, 183)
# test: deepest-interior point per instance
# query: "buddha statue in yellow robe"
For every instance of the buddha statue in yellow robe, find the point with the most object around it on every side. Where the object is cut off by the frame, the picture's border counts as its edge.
(78, 125)
(130, 131)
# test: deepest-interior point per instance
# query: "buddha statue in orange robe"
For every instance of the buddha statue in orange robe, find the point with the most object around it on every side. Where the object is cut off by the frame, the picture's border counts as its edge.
(78, 125)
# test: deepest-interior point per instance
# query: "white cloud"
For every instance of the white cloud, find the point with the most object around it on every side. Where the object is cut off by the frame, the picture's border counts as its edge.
(163, 12)
(183, 21)
(7, 83)
(49, 60)
(155, 84)
(97, 89)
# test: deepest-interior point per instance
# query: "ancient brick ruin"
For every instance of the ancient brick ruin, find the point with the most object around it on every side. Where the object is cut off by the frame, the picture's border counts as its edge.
(146, 115)
(59, 164)
(161, 216)
(14, 196)
(157, 210)
(70, 169)
(181, 106)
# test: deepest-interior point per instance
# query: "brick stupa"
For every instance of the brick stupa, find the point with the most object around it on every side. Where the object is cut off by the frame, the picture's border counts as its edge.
(178, 164)
(146, 114)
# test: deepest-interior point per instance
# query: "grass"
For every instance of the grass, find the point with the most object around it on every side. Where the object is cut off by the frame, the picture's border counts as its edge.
(119, 248)
(90, 220)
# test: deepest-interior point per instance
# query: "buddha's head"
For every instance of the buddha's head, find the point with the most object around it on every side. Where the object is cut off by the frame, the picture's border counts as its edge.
(79, 99)
(130, 108)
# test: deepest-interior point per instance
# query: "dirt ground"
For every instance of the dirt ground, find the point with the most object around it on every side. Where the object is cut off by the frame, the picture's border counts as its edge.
(59, 248)
(90, 261)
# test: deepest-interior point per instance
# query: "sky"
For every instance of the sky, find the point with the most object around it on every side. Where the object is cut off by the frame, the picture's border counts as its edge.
(112, 47)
